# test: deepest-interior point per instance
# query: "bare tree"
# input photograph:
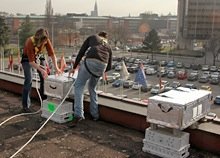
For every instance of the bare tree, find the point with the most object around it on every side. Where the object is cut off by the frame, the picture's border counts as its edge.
(4, 39)
(213, 46)
(119, 35)
(4, 32)
(26, 30)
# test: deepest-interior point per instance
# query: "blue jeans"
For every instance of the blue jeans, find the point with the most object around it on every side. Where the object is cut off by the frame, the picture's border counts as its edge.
(26, 101)
(82, 78)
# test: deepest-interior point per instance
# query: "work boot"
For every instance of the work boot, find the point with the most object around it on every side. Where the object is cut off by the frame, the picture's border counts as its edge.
(74, 122)
(26, 110)
(44, 97)
(90, 117)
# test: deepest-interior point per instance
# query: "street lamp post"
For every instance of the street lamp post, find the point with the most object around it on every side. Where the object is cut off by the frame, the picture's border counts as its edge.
(168, 50)
(19, 64)
(171, 47)
(1, 57)
(52, 35)
(52, 32)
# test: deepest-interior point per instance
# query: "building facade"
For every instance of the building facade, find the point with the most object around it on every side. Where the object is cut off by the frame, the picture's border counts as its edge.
(72, 29)
(198, 21)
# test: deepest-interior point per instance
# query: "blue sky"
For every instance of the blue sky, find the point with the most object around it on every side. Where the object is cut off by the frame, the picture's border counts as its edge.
(105, 7)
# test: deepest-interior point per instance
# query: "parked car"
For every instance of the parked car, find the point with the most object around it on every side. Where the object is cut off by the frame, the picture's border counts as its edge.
(117, 83)
(187, 66)
(162, 72)
(171, 86)
(181, 74)
(218, 69)
(157, 89)
(206, 73)
(136, 86)
(150, 71)
(179, 65)
(195, 72)
(171, 64)
(213, 68)
(109, 79)
(215, 75)
(131, 69)
(116, 75)
(165, 83)
(217, 100)
(206, 87)
(163, 63)
(192, 77)
(146, 88)
(190, 85)
(214, 80)
(205, 68)
(171, 69)
(171, 74)
(196, 66)
(128, 84)
(118, 68)
(203, 79)
(168, 88)
(175, 84)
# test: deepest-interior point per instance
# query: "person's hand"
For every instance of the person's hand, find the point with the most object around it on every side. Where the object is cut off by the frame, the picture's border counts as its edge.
(58, 71)
(71, 72)
(44, 73)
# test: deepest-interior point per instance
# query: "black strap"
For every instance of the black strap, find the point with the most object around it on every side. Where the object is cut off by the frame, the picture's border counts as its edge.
(89, 70)
(24, 58)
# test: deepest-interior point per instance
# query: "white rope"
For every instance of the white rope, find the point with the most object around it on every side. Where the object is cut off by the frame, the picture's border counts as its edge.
(43, 124)
(23, 114)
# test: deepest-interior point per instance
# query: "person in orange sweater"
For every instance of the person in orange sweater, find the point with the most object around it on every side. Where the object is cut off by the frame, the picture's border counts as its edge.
(33, 57)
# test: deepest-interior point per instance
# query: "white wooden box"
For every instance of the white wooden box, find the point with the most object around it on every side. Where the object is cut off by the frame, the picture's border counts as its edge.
(178, 108)
(164, 151)
(58, 86)
(166, 138)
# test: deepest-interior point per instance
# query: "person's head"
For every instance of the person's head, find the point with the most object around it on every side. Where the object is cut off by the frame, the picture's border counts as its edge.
(41, 36)
(103, 34)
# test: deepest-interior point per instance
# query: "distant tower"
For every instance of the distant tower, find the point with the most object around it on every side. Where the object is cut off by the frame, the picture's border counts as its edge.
(95, 11)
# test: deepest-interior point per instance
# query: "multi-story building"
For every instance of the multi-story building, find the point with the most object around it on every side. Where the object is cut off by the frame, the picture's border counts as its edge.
(198, 20)
(72, 29)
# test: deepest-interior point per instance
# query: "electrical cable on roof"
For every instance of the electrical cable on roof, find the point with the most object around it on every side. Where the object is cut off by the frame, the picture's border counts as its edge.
(30, 113)
(43, 123)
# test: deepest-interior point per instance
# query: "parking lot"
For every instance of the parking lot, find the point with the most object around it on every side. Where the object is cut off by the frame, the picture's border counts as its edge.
(154, 79)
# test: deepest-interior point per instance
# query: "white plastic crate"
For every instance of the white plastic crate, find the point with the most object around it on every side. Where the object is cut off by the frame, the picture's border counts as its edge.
(59, 118)
(165, 137)
(58, 86)
(51, 104)
(165, 152)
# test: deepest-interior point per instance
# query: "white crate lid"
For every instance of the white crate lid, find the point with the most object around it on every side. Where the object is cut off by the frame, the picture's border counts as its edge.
(181, 96)
(62, 78)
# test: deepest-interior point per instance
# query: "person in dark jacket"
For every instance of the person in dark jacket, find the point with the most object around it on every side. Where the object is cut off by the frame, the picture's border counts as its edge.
(97, 55)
